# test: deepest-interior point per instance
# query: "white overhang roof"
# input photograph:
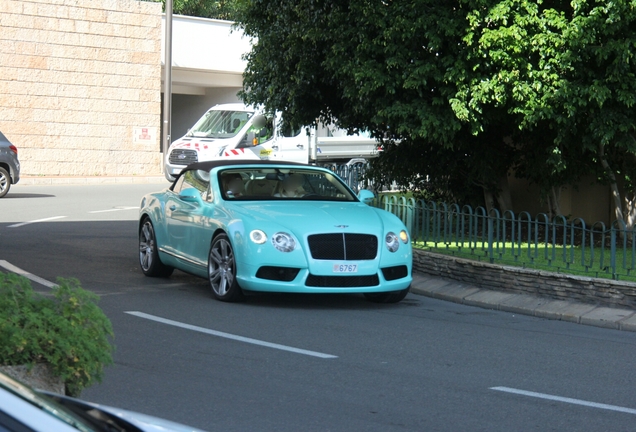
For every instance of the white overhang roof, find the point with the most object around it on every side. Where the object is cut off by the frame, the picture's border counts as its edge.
(205, 53)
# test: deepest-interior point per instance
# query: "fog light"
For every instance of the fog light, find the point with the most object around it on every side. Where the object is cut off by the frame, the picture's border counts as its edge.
(392, 242)
(283, 242)
(258, 236)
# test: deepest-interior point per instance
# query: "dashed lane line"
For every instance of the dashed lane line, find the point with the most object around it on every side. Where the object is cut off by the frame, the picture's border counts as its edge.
(565, 400)
(17, 270)
(35, 221)
(231, 336)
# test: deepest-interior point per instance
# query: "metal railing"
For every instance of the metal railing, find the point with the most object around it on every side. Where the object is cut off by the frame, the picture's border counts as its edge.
(352, 174)
(557, 244)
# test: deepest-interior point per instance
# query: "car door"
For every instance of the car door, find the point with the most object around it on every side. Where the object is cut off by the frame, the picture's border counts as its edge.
(291, 145)
(185, 216)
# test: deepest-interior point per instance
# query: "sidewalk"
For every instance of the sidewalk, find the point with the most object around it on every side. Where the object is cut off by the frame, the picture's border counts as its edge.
(59, 180)
(523, 304)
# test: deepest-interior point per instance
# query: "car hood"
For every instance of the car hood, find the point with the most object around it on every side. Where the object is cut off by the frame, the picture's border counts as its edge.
(316, 216)
(147, 423)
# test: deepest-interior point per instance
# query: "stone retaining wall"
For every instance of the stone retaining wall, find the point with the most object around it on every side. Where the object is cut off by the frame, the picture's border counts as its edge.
(559, 286)
(39, 377)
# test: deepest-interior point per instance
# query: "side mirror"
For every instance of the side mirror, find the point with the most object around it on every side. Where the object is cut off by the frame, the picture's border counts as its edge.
(190, 195)
(259, 121)
(366, 196)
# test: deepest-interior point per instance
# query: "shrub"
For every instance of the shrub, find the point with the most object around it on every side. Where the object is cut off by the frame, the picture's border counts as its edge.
(67, 330)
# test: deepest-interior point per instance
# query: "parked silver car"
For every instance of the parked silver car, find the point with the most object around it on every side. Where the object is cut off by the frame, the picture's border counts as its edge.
(25, 409)
(9, 165)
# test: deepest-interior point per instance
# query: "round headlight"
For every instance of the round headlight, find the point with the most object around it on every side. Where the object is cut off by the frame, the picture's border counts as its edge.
(258, 236)
(392, 242)
(283, 242)
(404, 237)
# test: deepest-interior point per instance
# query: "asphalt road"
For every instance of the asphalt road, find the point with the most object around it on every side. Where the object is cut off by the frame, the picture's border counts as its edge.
(312, 362)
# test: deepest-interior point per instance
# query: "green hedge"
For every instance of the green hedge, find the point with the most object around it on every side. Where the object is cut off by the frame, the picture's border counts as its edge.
(66, 330)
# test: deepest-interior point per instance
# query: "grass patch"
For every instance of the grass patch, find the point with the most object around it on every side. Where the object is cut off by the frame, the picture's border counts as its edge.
(568, 260)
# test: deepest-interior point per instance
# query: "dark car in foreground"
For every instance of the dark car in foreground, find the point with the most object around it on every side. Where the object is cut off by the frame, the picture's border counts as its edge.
(25, 409)
(9, 165)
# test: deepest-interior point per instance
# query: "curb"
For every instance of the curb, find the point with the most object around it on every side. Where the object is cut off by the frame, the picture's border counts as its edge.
(47, 181)
(524, 304)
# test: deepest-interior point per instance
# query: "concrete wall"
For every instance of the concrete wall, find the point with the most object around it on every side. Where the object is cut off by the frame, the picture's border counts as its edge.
(80, 85)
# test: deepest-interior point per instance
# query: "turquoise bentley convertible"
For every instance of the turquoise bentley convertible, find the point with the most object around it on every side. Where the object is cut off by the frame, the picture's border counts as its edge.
(274, 227)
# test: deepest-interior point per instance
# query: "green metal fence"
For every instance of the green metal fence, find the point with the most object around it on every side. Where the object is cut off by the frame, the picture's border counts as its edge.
(558, 244)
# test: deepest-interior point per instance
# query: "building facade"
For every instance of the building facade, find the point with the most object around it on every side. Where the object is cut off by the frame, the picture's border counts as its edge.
(80, 85)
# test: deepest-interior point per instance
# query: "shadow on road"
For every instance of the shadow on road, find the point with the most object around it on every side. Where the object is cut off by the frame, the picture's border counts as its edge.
(27, 195)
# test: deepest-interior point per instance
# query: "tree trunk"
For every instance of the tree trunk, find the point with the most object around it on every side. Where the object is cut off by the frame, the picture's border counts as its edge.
(489, 198)
(630, 209)
(554, 201)
(504, 197)
(616, 195)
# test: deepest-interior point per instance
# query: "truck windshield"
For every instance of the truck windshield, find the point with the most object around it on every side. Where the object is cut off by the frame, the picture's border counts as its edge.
(220, 124)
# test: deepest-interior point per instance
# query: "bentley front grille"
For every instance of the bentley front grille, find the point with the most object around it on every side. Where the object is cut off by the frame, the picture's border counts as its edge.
(343, 246)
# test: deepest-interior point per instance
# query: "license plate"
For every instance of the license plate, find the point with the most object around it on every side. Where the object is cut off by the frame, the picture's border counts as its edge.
(345, 268)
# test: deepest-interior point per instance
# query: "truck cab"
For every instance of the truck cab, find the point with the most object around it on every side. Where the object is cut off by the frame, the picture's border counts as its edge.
(242, 132)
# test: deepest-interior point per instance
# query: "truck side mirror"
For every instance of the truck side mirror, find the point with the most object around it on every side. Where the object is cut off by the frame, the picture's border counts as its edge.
(259, 121)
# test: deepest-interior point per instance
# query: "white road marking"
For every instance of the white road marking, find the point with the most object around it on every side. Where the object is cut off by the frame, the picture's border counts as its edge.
(34, 278)
(565, 400)
(231, 336)
(114, 210)
(35, 221)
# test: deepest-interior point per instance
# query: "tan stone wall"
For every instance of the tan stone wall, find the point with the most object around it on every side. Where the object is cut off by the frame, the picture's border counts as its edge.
(76, 78)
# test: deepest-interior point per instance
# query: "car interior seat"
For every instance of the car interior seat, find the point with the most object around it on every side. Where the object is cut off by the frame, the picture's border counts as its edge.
(260, 187)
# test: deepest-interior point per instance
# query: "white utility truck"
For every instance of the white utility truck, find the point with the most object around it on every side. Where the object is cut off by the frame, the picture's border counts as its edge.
(238, 131)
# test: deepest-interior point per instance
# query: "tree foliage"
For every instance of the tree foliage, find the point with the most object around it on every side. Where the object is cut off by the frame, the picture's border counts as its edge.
(471, 89)
(218, 9)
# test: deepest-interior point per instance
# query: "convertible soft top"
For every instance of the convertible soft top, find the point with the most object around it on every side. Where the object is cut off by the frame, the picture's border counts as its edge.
(208, 165)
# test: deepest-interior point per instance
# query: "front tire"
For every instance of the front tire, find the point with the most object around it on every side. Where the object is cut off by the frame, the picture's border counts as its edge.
(5, 182)
(222, 270)
(149, 260)
(387, 297)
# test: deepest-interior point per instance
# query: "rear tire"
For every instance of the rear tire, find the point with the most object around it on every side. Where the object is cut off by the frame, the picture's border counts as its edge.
(387, 297)
(222, 271)
(5, 182)
(149, 259)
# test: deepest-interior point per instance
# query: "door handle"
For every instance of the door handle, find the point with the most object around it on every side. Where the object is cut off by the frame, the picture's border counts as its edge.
(172, 207)
(300, 146)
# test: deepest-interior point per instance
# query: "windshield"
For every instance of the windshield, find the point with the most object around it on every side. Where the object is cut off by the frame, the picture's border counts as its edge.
(220, 124)
(282, 184)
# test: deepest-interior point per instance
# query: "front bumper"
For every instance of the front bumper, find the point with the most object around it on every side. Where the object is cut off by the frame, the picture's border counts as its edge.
(171, 171)
(383, 279)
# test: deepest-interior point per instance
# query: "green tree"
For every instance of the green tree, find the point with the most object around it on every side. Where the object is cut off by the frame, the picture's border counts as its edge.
(217, 9)
(377, 66)
(568, 71)
(471, 89)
